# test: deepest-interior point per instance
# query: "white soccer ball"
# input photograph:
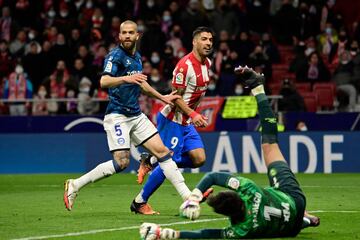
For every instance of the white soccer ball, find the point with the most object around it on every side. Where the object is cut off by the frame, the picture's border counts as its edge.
(190, 209)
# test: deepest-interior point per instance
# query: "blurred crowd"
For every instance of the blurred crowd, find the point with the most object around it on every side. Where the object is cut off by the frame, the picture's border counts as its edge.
(55, 49)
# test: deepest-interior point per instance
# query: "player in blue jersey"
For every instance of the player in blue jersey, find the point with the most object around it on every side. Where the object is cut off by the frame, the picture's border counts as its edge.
(176, 124)
(124, 122)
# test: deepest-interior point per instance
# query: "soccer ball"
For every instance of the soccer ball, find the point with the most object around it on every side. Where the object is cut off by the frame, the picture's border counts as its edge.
(190, 209)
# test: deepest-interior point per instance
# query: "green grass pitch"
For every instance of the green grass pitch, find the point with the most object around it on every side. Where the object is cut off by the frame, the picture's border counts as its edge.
(32, 207)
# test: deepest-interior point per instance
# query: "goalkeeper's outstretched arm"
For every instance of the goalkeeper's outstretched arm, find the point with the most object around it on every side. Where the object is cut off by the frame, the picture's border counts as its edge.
(213, 178)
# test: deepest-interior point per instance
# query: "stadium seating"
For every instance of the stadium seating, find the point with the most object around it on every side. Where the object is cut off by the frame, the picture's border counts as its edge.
(303, 87)
(326, 93)
(311, 101)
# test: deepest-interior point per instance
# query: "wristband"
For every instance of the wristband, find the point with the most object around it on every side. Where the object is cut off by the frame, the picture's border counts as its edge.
(193, 114)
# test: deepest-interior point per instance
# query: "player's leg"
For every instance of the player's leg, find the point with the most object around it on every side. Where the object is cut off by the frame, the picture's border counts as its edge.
(119, 144)
(139, 204)
(193, 149)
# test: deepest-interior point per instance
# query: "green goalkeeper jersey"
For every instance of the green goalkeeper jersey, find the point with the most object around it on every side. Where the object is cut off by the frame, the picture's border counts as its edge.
(269, 212)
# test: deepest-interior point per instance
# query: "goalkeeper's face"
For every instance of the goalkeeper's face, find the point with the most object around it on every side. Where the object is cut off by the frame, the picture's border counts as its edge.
(128, 36)
(203, 43)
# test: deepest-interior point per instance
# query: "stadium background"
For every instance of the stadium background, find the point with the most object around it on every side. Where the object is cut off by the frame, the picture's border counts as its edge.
(53, 124)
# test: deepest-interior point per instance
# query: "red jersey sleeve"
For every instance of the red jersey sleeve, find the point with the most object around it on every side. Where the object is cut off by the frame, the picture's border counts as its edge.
(179, 76)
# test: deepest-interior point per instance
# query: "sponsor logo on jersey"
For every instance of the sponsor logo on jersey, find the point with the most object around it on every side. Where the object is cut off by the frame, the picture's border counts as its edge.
(179, 78)
(128, 62)
(108, 67)
(234, 183)
(121, 141)
(230, 233)
(132, 72)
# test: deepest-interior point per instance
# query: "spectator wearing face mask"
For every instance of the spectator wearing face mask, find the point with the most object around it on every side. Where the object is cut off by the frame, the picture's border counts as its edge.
(175, 39)
(212, 88)
(7, 63)
(34, 63)
(39, 107)
(158, 83)
(166, 22)
(328, 39)
(292, 101)
(18, 87)
(60, 51)
(343, 77)
(86, 106)
(169, 63)
(155, 60)
(301, 126)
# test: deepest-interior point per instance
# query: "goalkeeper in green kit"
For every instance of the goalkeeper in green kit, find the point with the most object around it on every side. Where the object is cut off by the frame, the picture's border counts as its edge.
(253, 211)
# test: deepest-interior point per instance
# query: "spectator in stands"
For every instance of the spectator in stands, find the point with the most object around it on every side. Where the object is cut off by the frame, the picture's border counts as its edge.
(59, 80)
(355, 53)
(224, 18)
(7, 63)
(238, 7)
(158, 82)
(313, 70)
(155, 60)
(39, 107)
(286, 23)
(259, 58)
(244, 46)
(112, 34)
(85, 55)
(152, 40)
(169, 63)
(64, 21)
(175, 12)
(60, 51)
(300, 57)
(190, 19)
(87, 106)
(74, 41)
(339, 47)
(327, 39)
(99, 58)
(258, 15)
(79, 71)
(343, 77)
(212, 87)
(166, 22)
(175, 39)
(18, 87)
(33, 63)
(301, 126)
(17, 46)
(270, 49)
(71, 104)
(8, 25)
(308, 26)
(147, 68)
(292, 101)
(47, 65)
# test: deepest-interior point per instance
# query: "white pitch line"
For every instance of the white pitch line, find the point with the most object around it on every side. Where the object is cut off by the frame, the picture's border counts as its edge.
(115, 229)
(165, 224)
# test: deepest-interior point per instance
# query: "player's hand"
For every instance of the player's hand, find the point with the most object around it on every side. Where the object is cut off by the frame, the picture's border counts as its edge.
(150, 231)
(170, 98)
(137, 78)
(198, 120)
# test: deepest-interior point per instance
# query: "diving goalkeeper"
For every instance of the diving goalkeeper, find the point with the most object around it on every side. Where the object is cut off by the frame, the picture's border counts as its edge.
(253, 211)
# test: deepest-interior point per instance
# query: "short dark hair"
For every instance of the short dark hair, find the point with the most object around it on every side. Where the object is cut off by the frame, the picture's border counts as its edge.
(202, 29)
(229, 204)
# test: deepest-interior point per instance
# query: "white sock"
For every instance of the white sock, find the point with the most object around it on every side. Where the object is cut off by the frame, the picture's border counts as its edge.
(100, 171)
(172, 172)
(257, 90)
(139, 198)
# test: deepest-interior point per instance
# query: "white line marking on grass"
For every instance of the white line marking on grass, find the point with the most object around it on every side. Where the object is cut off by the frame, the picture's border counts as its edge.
(115, 229)
(165, 224)
(335, 211)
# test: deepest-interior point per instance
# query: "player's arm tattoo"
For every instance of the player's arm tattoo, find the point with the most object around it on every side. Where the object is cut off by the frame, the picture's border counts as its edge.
(180, 103)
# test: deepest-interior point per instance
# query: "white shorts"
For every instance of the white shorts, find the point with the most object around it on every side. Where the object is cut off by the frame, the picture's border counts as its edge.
(121, 130)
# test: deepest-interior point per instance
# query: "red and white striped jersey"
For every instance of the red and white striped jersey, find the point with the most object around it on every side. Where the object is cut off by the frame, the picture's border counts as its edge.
(193, 76)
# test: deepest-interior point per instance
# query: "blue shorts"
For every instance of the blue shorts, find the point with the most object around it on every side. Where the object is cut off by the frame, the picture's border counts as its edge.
(180, 139)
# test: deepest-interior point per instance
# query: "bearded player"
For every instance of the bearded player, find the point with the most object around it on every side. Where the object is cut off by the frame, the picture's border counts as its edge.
(253, 211)
(176, 124)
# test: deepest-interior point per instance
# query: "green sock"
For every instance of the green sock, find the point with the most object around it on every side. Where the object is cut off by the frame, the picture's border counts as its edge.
(267, 119)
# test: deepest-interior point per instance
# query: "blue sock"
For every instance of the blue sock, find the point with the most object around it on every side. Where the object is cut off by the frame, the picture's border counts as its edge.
(154, 181)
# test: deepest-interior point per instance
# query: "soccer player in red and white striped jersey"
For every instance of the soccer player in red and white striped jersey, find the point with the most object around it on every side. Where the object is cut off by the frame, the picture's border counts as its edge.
(176, 124)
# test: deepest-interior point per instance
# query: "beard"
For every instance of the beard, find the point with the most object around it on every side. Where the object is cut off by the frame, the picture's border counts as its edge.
(129, 46)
